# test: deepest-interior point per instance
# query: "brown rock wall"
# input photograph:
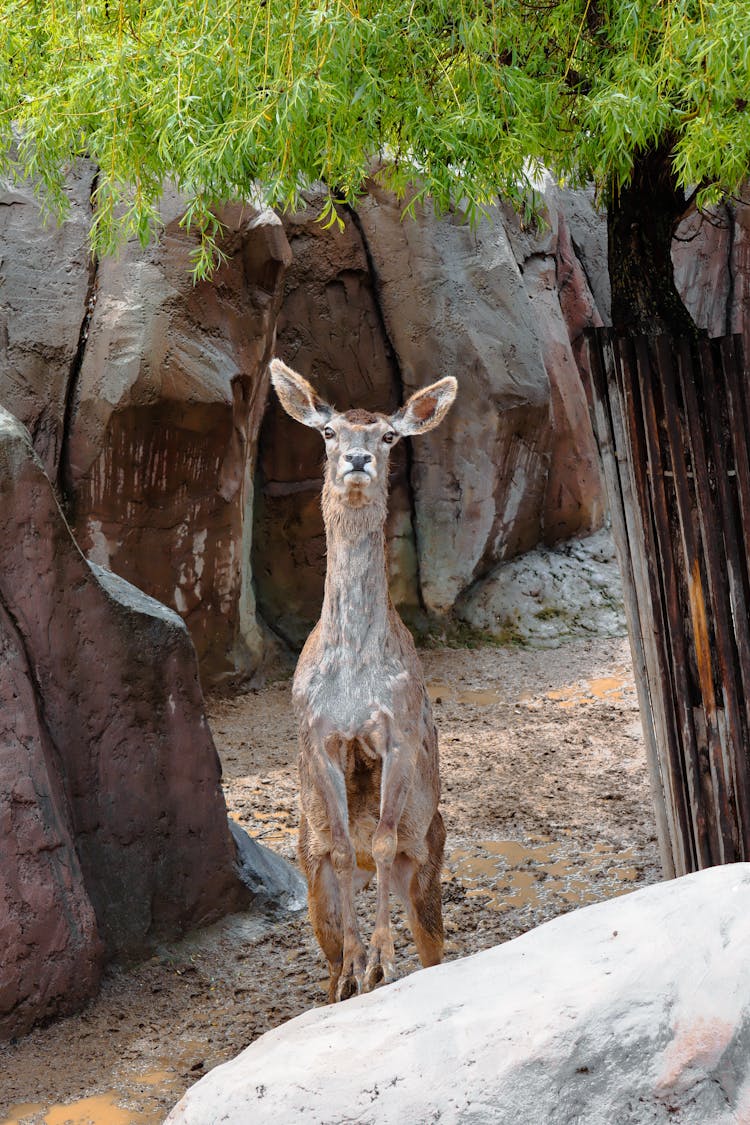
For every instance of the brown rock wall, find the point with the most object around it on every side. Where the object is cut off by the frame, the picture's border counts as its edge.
(711, 256)
(51, 951)
(115, 678)
(163, 437)
(163, 402)
(563, 307)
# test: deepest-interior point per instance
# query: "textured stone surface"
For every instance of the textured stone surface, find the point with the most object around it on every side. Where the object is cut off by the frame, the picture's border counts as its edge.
(379, 309)
(163, 437)
(272, 881)
(330, 330)
(117, 727)
(563, 308)
(45, 271)
(701, 254)
(633, 1011)
(51, 952)
(711, 256)
(548, 596)
(454, 303)
(586, 223)
(155, 390)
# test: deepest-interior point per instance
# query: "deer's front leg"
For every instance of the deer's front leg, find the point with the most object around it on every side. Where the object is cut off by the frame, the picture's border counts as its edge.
(322, 767)
(395, 784)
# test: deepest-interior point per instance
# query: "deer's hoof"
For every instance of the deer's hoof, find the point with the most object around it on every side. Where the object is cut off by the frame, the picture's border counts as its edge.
(380, 970)
(348, 987)
(373, 977)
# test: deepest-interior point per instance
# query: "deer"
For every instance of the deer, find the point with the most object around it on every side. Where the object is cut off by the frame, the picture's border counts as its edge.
(369, 778)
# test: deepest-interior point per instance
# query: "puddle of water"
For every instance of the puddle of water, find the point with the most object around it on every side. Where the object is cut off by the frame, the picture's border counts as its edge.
(510, 874)
(155, 1077)
(444, 691)
(272, 824)
(606, 689)
(21, 1112)
(99, 1110)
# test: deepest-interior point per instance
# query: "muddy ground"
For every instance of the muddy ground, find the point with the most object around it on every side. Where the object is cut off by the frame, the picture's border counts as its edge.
(547, 805)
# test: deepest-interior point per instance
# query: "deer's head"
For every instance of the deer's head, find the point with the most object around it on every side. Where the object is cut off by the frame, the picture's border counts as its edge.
(358, 443)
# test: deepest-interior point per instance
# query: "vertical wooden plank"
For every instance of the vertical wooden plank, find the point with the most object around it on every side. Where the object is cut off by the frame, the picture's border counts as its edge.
(715, 508)
(632, 457)
(737, 393)
(718, 789)
(693, 764)
(635, 593)
(675, 441)
(726, 427)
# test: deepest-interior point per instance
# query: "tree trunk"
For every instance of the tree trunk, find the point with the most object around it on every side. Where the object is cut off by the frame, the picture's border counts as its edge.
(642, 217)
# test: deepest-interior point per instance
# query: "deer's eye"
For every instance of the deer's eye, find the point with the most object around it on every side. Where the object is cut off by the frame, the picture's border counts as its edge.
(389, 438)
(328, 433)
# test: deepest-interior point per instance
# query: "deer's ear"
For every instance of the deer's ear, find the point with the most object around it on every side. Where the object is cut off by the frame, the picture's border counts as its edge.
(426, 408)
(298, 398)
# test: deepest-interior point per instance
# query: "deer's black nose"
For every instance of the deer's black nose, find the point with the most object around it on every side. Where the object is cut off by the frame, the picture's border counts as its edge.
(358, 460)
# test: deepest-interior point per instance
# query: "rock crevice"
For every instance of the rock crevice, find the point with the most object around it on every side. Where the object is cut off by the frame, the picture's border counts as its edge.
(65, 484)
(403, 394)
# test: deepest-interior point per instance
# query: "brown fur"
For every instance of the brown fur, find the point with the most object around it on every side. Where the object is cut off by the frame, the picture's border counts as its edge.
(362, 417)
(368, 762)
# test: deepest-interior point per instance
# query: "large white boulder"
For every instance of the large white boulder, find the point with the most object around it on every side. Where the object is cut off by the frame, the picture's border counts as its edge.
(632, 1011)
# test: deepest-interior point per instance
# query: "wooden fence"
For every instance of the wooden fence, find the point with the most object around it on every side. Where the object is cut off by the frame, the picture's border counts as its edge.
(672, 419)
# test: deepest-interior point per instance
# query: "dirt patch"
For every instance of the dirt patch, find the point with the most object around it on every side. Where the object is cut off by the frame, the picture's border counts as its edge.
(546, 799)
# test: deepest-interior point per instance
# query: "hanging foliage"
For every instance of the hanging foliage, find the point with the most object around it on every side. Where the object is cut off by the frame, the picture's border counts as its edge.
(236, 98)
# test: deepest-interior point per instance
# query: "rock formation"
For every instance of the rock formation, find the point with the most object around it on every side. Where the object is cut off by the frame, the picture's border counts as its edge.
(52, 952)
(549, 595)
(374, 311)
(113, 821)
(454, 303)
(330, 329)
(563, 307)
(45, 288)
(711, 256)
(634, 1010)
(145, 395)
(164, 423)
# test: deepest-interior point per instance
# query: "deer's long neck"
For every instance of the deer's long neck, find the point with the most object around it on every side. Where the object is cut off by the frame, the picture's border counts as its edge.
(356, 601)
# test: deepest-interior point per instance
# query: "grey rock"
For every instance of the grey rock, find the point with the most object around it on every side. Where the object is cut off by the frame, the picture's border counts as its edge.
(547, 596)
(45, 273)
(587, 224)
(454, 303)
(564, 308)
(271, 880)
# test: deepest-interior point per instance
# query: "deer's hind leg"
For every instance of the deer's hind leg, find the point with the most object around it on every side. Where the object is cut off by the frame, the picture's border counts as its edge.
(418, 886)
